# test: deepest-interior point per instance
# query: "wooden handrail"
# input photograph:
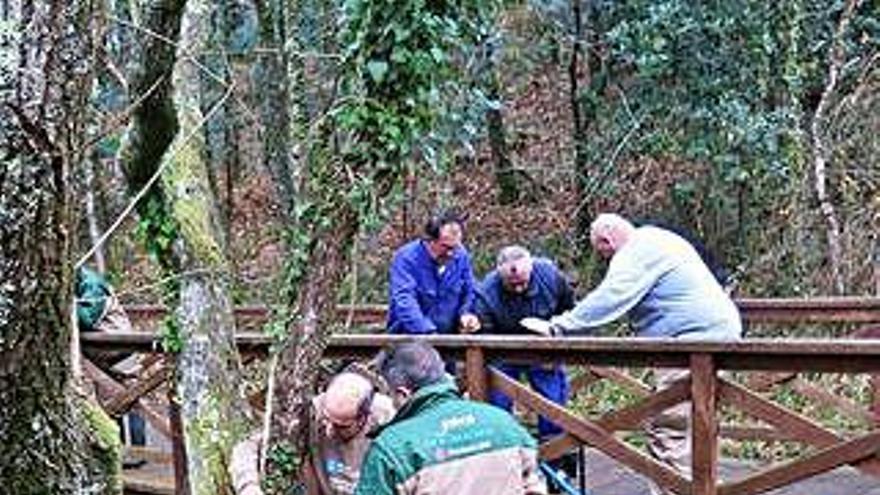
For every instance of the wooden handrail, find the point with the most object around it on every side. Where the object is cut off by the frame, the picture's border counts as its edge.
(827, 355)
(862, 310)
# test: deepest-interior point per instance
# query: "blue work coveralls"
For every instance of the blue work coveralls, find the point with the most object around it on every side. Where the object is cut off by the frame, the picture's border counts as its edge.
(549, 293)
(425, 297)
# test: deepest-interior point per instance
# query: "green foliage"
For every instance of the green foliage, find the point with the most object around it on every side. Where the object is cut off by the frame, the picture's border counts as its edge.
(724, 90)
(403, 58)
(156, 228)
(172, 340)
(287, 464)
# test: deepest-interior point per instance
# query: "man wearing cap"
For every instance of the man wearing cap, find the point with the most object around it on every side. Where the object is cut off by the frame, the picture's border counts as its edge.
(521, 286)
(658, 280)
(342, 416)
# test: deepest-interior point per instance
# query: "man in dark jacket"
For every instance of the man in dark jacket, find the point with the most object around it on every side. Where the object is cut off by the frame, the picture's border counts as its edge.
(520, 287)
(441, 443)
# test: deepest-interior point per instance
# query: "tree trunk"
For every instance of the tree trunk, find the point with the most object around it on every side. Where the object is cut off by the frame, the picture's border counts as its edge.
(508, 189)
(54, 441)
(579, 128)
(819, 128)
(208, 373)
(271, 77)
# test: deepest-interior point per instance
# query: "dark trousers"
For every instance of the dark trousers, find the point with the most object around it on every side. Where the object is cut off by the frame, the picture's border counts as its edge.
(549, 381)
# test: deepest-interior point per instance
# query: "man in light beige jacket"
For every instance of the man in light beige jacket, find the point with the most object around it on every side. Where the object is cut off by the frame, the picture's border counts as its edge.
(342, 416)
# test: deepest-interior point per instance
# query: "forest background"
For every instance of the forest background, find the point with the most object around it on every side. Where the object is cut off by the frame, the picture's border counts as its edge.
(211, 153)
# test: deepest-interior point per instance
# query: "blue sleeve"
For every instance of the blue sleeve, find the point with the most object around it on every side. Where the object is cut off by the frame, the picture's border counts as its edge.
(468, 295)
(403, 286)
(483, 308)
(378, 476)
(564, 292)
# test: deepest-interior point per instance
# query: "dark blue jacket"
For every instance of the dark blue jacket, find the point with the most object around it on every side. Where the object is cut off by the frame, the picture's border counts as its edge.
(549, 294)
(423, 301)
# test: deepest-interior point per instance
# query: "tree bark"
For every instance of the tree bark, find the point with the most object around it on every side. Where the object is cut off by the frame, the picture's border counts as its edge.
(508, 189)
(54, 441)
(212, 412)
(579, 128)
(819, 128)
(271, 76)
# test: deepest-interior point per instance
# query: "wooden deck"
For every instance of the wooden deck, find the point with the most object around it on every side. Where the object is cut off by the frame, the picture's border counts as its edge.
(761, 366)
(604, 476)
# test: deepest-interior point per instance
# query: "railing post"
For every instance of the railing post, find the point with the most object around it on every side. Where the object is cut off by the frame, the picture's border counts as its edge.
(475, 374)
(875, 377)
(875, 399)
(178, 446)
(704, 433)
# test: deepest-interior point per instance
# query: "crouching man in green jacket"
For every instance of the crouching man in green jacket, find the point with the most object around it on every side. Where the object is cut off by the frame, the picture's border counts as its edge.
(440, 443)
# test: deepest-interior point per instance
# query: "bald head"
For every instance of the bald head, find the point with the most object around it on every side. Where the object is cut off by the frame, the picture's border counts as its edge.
(345, 396)
(609, 232)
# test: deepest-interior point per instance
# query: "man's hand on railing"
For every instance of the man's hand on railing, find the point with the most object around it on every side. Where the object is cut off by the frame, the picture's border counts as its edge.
(537, 325)
(469, 323)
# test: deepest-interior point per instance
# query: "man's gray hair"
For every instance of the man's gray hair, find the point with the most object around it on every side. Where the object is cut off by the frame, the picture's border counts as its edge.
(607, 222)
(412, 365)
(513, 252)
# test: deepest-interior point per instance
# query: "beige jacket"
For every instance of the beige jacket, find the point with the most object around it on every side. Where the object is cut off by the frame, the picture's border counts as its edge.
(333, 465)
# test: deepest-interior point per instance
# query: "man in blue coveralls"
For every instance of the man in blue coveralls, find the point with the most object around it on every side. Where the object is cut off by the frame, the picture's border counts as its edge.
(432, 282)
(520, 287)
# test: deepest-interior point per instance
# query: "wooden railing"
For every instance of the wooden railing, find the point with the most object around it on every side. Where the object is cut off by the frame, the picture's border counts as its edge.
(706, 388)
(857, 310)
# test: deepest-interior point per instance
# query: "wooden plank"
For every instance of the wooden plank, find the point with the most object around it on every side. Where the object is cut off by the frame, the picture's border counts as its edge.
(796, 425)
(178, 446)
(144, 482)
(156, 419)
(764, 381)
(790, 422)
(591, 434)
(704, 433)
(149, 454)
(562, 444)
(848, 452)
(592, 374)
(108, 387)
(619, 377)
(875, 399)
(475, 372)
(756, 310)
(839, 404)
(626, 418)
(123, 401)
(582, 381)
(810, 310)
(747, 354)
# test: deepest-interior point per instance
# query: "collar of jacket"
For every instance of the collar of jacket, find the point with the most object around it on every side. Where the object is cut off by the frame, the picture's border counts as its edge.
(425, 398)
(531, 289)
(423, 243)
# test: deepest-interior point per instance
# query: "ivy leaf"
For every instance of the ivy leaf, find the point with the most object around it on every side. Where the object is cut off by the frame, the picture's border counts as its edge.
(377, 69)
(437, 54)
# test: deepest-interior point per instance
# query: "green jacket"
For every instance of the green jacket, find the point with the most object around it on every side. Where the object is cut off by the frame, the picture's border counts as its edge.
(92, 291)
(441, 443)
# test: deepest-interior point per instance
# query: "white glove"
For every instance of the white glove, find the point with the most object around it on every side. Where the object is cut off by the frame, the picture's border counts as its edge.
(537, 325)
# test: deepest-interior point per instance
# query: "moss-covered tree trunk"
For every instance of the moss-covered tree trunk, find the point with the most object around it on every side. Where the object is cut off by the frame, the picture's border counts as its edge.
(51, 439)
(271, 77)
(505, 177)
(208, 364)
